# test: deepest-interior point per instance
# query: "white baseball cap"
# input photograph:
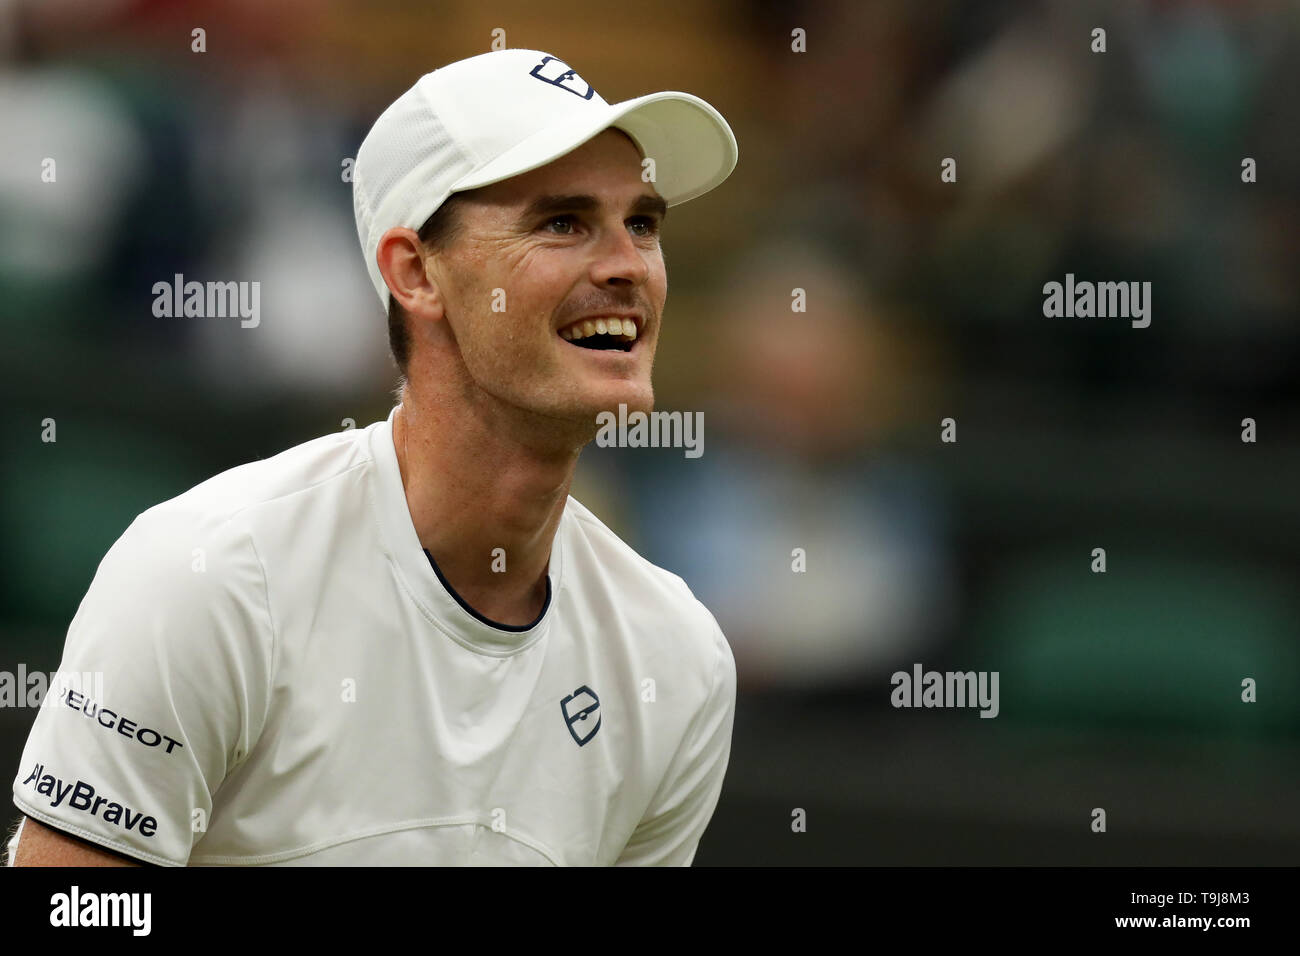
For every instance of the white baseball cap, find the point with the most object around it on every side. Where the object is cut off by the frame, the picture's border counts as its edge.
(499, 114)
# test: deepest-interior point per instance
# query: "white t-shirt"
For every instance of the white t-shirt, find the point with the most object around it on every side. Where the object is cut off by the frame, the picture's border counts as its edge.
(286, 679)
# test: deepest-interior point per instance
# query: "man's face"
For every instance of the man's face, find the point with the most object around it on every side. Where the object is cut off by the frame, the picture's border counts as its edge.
(577, 239)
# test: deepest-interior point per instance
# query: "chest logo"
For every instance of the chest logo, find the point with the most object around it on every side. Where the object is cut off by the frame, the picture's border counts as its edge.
(581, 711)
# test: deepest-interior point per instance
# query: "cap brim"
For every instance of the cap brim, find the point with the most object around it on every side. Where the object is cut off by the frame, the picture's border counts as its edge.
(692, 146)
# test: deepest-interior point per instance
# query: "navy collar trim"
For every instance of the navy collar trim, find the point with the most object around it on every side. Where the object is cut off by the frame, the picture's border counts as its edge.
(513, 629)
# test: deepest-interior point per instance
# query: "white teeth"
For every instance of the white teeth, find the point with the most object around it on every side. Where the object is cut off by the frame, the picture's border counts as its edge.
(626, 328)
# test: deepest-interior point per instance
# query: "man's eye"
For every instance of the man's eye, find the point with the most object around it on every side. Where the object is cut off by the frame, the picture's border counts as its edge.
(565, 220)
(644, 225)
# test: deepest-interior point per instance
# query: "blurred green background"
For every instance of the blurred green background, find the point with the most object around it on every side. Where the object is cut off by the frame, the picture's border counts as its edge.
(924, 301)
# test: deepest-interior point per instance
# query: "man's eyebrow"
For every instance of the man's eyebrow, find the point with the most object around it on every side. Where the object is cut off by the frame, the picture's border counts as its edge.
(648, 205)
(552, 205)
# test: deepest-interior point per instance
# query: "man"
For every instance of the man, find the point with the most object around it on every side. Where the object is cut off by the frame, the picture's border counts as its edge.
(406, 644)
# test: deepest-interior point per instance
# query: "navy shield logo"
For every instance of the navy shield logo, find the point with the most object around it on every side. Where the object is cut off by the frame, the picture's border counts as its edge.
(581, 711)
(557, 73)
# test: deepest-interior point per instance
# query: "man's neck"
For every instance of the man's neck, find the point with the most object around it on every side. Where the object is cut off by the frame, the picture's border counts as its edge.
(484, 504)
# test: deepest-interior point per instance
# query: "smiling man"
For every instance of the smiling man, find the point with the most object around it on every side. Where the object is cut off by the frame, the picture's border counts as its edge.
(407, 644)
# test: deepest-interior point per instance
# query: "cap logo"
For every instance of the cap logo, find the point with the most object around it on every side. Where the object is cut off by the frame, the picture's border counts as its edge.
(557, 73)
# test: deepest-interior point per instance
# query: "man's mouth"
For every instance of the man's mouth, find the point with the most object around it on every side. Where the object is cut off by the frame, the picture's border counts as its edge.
(601, 334)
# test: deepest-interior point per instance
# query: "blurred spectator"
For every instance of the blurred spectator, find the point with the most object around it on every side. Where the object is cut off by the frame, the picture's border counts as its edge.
(797, 412)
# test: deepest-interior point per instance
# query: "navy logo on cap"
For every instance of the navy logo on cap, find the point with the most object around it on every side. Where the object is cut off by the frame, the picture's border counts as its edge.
(581, 714)
(557, 73)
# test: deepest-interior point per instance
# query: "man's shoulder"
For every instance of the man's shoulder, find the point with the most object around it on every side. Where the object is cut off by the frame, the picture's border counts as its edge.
(304, 468)
(621, 558)
(224, 511)
(655, 591)
(673, 638)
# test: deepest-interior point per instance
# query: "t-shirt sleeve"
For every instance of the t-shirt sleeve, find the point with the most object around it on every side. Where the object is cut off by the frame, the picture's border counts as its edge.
(162, 690)
(670, 832)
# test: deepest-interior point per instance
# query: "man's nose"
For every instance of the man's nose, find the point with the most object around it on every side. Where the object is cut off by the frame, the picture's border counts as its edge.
(619, 260)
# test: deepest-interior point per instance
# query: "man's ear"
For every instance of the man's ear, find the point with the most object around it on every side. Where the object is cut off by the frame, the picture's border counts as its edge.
(401, 260)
